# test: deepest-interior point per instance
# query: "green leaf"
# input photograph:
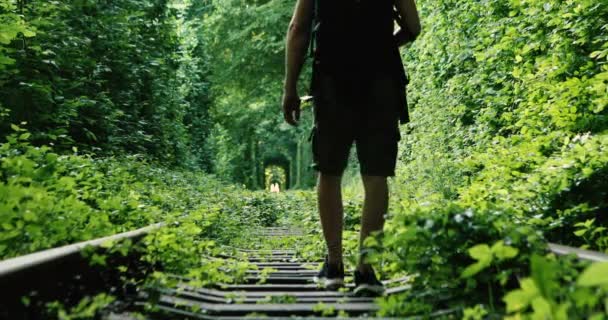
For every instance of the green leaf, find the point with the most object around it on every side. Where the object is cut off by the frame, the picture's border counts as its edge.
(562, 311)
(542, 308)
(29, 33)
(25, 300)
(25, 136)
(107, 244)
(480, 252)
(519, 299)
(473, 269)
(98, 260)
(503, 252)
(6, 60)
(545, 273)
(595, 275)
(29, 216)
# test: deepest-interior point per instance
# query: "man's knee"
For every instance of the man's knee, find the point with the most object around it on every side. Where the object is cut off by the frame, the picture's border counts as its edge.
(327, 179)
(374, 179)
(374, 182)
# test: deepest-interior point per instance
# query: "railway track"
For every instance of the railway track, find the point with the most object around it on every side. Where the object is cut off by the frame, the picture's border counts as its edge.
(279, 285)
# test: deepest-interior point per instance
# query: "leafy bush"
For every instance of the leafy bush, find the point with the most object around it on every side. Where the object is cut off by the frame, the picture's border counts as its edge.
(49, 199)
(110, 78)
(506, 150)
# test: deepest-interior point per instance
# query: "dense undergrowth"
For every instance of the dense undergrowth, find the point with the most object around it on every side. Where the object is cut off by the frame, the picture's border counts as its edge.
(507, 149)
(58, 199)
(49, 199)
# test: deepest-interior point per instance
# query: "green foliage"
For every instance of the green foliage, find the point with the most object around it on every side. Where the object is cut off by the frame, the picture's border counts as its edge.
(506, 149)
(49, 199)
(485, 256)
(593, 236)
(246, 50)
(550, 292)
(88, 308)
(594, 276)
(475, 313)
(13, 26)
(110, 78)
(188, 83)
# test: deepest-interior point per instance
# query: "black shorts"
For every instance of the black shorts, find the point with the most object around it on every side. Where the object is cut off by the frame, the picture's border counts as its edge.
(365, 112)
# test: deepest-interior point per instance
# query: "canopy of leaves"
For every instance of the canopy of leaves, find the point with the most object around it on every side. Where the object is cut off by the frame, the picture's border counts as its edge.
(123, 76)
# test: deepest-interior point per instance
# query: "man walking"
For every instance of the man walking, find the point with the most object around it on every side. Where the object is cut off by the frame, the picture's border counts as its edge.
(358, 88)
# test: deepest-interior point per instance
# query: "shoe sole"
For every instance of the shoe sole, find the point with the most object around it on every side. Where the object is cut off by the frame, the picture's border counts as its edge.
(367, 290)
(329, 284)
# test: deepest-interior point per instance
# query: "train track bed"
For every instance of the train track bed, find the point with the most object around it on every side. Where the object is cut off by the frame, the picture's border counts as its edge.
(278, 284)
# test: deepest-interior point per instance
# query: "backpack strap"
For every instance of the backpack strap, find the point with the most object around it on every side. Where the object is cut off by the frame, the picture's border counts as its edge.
(315, 29)
(397, 17)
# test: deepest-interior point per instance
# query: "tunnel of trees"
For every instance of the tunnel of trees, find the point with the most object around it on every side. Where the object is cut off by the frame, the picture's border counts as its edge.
(129, 86)
(119, 114)
(276, 170)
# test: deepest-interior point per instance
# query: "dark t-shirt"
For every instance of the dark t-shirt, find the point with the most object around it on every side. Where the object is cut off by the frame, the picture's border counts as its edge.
(355, 39)
(354, 44)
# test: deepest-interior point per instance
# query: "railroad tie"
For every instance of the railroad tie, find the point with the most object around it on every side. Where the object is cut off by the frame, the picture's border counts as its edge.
(285, 292)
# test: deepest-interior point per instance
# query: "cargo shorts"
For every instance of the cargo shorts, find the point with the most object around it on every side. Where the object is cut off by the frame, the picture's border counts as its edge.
(363, 112)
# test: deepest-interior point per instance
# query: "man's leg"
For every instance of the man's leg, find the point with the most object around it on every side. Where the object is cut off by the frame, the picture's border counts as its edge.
(374, 209)
(331, 214)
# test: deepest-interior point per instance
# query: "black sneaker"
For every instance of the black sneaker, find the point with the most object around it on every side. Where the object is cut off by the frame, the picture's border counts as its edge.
(367, 285)
(330, 277)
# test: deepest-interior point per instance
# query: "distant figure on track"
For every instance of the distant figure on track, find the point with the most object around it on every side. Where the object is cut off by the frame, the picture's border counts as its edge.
(358, 90)
(275, 188)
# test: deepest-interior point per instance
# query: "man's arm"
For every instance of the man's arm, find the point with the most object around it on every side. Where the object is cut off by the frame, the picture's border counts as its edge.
(409, 21)
(298, 38)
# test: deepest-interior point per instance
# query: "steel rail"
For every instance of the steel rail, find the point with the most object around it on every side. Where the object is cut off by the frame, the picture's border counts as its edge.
(65, 273)
(582, 254)
(15, 265)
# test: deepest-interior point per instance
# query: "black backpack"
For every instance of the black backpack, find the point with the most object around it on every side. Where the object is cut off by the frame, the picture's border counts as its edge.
(358, 39)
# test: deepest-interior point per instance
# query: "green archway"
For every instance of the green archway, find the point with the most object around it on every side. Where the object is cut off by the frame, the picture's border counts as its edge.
(275, 175)
(277, 169)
